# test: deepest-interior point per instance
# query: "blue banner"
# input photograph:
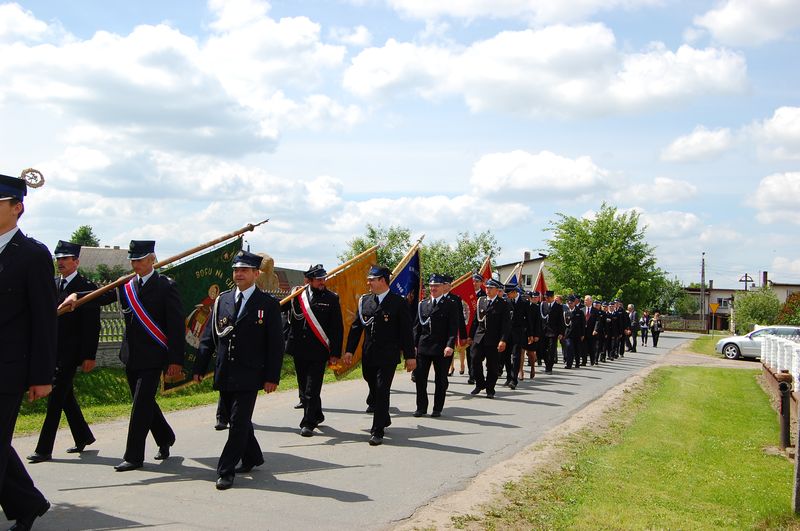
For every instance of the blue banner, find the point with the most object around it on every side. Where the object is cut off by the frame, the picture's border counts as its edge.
(407, 282)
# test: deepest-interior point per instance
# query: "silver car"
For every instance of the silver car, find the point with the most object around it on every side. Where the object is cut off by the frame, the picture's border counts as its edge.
(749, 345)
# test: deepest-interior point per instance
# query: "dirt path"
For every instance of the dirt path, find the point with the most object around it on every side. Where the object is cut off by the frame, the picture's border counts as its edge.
(546, 453)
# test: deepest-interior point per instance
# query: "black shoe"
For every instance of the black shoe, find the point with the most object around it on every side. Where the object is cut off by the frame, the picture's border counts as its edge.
(419, 413)
(477, 390)
(78, 448)
(507, 383)
(489, 395)
(25, 523)
(413, 378)
(299, 405)
(307, 432)
(471, 381)
(127, 465)
(224, 482)
(436, 414)
(163, 453)
(219, 426)
(36, 457)
(512, 386)
(375, 440)
(370, 409)
(548, 371)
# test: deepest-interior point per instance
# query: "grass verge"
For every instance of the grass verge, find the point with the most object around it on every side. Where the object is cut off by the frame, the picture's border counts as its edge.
(686, 451)
(104, 395)
(705, 344)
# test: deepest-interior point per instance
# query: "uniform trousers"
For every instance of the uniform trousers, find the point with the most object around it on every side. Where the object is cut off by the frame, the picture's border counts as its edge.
(309, 381)
(62, 398)
(549, 351)
(18, 496)
(482, 352)
(145, 414)
(570, 352)
(441, 367)
(223, 418)
(469, 362)
(589, 343)
(512, 360)
(242, 444)
(379, 378)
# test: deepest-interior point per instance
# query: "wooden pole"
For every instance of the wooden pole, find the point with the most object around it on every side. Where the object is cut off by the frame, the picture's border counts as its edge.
(460, 280)
(96, 293)
(335, 270)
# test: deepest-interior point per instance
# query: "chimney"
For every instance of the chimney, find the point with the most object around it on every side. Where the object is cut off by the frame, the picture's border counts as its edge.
(710, 285)
(526, 256)
(116, 247)
(764, 278)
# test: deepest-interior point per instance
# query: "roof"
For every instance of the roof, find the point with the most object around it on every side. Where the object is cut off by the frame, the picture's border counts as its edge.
(91, 257)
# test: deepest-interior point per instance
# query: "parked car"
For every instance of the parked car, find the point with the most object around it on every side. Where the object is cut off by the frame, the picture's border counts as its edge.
(749, 345)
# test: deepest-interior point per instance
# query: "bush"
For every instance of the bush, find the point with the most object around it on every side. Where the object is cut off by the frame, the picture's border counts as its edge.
(790, 312)
(755, 307)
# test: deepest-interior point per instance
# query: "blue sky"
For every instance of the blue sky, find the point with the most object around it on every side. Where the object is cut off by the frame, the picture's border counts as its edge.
(179, 121)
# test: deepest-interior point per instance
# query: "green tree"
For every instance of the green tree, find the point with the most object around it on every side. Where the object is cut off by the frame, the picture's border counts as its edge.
(605, 256)
(105, 274)
(395, 242)
(467, 254)
(760, 306)
(84, 235)
(790, 312)
(686, 305)
(667, 295)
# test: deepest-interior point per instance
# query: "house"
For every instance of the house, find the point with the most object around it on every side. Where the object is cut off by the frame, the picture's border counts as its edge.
(530, 270)
(91, 257)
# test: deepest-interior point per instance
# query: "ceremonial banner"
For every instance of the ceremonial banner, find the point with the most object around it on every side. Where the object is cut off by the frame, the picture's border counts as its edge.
(200, 280)
(406, 279)
(540, 285)
(350, 283)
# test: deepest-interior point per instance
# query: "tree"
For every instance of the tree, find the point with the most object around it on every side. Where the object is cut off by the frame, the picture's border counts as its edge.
(606, 256)
(394, 241)
(760, 306)
(686, 305)
(105, 274)
(667, 296)
(467, 254)
(84, 235)
(790, 312)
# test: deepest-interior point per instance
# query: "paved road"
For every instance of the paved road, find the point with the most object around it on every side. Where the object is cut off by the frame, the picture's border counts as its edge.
(334, 480)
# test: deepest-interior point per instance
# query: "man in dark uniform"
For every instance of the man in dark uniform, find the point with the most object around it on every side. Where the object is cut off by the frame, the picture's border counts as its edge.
(462, 322)
(520, 335)
(246, 332)
(604, 327)
(28, 355)
(78, 336)
(154, 341)
(535, 325)
(383, 318)
(315, 338)
(574, 327)
(435, 333)
(589, 316)
(491, 332)
(553, 325)
(477, 284)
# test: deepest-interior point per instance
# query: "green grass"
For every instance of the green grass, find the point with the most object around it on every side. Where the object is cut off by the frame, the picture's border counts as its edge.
(705, 344)
(685, 452)
(104, 395)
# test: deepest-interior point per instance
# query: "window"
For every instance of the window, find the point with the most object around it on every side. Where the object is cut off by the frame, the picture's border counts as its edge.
(527, 280)
(723, 303)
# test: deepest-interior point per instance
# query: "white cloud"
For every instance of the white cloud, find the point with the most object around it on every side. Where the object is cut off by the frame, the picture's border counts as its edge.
(572, 70)
(777, 198)
(157, 87)
(785, 267)
(670, 224)
(536, 11)
(527, 176)
(749, 22)
(779, 136)
(660, 190)
(359, 36)
(700, 144)
(17, 23)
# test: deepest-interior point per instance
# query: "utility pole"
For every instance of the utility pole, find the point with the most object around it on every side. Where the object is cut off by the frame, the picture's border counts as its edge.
(703, 290)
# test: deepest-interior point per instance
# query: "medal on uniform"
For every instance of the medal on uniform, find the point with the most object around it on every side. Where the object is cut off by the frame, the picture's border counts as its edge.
(260, 316)
(385, 318)
(224, 321)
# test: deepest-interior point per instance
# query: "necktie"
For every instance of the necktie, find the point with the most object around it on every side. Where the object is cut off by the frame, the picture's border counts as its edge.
(63, 284)
(434, 303)
(238, 306)
(140, 283)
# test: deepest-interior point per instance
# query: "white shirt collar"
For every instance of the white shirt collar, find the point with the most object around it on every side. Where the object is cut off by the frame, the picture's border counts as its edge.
(382, 296)
(491, 299)
(437, 299)
(69, 278)
(5, 238)
(145, 278)
(245, 294)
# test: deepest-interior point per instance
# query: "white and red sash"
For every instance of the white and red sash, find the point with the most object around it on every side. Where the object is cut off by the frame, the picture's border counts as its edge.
(141, 314)
(311, 319)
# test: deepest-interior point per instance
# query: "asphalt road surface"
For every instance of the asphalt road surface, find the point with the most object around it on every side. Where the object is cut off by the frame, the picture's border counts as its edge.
(333, 480)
